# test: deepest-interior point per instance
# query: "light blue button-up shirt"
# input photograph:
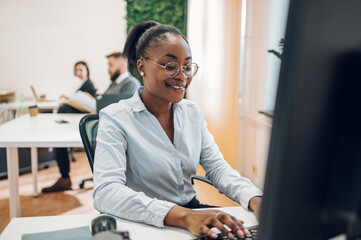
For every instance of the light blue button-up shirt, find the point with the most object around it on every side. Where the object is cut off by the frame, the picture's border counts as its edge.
(139, 174)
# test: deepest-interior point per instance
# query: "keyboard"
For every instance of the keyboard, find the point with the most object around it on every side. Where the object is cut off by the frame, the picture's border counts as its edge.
(253, 230)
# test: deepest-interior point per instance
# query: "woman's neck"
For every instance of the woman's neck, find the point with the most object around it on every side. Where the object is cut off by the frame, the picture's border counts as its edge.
(156, 106)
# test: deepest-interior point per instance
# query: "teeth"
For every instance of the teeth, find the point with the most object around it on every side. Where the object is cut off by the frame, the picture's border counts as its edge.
(177, 87)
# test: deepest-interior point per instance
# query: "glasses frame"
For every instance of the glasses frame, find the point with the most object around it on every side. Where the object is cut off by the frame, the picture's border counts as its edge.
(179, 67)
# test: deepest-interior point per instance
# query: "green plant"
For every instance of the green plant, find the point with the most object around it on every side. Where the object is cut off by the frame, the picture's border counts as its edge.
(280, 52)
(171, 12)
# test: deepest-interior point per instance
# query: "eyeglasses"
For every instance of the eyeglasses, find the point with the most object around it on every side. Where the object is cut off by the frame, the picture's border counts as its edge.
(172, 69)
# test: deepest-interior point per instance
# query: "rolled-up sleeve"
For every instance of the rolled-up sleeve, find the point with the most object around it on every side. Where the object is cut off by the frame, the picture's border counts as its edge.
(221, 174)
(111, 195)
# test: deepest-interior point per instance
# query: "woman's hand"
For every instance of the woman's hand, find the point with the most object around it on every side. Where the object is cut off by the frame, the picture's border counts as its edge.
(200, 222)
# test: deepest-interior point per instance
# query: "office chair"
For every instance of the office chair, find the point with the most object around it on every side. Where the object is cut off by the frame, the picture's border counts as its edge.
(88, 127)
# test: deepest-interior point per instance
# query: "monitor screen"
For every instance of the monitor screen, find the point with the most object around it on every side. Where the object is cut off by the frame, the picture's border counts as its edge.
(313, 178)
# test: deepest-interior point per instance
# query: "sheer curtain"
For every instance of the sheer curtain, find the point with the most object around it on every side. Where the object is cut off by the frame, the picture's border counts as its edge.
(214, 29)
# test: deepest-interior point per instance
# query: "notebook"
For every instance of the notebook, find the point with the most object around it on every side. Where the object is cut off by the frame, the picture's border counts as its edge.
(82, 101)
(78, 233)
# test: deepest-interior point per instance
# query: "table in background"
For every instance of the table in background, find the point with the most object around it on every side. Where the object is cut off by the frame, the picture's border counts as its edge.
(19, 226)
(11, 109)
(34, 132)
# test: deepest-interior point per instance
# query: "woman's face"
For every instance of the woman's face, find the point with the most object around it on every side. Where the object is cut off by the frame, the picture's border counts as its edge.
(80, 71)
(156, 83)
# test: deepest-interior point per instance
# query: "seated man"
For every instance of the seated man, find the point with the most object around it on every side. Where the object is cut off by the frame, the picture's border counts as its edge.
(122, 81)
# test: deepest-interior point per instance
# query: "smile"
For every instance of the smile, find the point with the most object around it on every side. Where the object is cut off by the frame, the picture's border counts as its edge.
(176, 87)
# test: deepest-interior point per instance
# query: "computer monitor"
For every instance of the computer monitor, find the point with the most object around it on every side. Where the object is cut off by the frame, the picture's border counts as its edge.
(313, 180)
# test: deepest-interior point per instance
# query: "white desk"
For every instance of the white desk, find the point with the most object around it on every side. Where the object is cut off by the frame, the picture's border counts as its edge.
(19, 226)
(41, 105)
(34, 132)
(53, 105)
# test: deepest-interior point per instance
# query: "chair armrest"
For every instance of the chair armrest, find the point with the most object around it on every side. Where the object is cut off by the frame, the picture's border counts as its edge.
(200, 178)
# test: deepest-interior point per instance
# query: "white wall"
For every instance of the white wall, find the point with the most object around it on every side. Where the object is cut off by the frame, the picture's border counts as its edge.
(40, 40)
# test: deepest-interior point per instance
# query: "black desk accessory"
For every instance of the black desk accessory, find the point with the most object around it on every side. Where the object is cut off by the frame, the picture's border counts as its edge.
(105, 227)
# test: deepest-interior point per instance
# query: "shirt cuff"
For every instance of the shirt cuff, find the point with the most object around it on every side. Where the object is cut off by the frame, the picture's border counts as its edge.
(157, 211)
(248, 194)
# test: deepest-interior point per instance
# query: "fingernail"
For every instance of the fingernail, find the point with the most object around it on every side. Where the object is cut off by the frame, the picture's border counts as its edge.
(231, 236)
(240, 233)
(213, 235)
(246, 231)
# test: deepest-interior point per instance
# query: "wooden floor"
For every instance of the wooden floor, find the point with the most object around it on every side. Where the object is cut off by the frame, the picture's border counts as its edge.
(77, 201)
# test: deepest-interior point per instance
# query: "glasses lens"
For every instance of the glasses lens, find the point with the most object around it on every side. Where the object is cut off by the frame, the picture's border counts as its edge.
(191, 69)
(171, 69)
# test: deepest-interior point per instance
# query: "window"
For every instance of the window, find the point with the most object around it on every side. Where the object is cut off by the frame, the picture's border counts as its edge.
(242, 47)
(277, 28)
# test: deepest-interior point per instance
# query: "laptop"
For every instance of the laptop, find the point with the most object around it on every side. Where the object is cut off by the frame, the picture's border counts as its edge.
(37, 99)
(106, 99)
(41, 98)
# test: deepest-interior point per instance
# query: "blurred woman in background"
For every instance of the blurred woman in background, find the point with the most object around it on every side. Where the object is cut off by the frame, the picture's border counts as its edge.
(81, 70)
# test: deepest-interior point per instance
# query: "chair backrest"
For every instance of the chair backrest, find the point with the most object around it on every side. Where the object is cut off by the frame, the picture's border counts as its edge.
(107, 99)
(88, 128)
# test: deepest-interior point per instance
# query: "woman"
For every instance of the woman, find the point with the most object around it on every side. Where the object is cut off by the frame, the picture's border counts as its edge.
(149, 146)
(81, 70)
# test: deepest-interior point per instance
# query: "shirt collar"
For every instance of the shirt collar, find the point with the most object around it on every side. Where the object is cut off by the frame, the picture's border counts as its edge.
(136, 101)
(139, 106)
(121, 77)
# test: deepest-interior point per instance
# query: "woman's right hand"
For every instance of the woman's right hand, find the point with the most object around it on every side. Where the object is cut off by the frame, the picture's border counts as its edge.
(200, 222)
